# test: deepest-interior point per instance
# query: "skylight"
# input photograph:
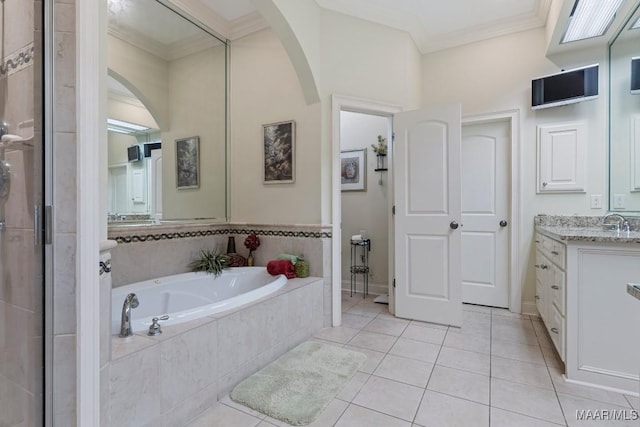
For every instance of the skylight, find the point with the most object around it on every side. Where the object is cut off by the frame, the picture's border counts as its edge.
(636, 24)
(121, 126)
(590, 18)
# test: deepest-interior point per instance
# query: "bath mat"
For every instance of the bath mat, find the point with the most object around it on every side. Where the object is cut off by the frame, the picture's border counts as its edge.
(300, 384)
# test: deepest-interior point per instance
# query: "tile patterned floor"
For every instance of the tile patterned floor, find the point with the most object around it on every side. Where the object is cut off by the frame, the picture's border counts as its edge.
(498, 370)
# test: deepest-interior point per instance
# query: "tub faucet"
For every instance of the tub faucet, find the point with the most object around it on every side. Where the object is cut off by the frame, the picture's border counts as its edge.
(131, 301)
(623, 223)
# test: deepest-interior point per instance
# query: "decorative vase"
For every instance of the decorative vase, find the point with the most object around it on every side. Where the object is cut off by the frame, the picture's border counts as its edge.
(231, 245)
(250, 259)
(302, 267)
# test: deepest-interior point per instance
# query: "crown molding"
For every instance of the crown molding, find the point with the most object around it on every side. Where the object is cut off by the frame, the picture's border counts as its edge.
(246, 25)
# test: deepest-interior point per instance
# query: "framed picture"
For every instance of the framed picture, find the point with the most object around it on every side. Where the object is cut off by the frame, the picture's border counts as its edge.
(353, 170)
(188, 163)
(279, 152)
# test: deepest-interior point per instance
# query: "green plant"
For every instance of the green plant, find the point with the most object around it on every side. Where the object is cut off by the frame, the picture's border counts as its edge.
(210, 261)
(381, 148)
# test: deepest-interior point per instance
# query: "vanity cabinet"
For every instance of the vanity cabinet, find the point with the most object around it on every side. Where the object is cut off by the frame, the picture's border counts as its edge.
(551, 289)
(581, 294)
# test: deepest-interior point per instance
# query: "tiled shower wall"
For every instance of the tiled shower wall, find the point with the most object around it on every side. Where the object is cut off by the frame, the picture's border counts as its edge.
(20, 259)
(64, 214)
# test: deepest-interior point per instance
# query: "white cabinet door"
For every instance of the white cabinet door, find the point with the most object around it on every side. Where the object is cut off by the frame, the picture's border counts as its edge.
(428, 215)
(562, 155)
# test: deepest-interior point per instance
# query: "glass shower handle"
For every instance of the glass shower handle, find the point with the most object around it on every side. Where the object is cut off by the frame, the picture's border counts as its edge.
(42, 221)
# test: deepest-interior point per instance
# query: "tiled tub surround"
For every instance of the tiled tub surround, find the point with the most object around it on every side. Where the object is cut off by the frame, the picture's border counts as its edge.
(169, 379)
(146, 252)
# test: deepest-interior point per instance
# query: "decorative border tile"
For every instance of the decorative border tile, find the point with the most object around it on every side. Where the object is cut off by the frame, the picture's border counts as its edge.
(203, 233)
(105, 266)
(17, 61)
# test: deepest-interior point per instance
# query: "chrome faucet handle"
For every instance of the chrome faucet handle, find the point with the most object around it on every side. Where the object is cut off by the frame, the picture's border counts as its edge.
(626, 226)
(155, 328)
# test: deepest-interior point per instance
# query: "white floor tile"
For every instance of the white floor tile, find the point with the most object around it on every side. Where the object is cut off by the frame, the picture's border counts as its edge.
(511, 322)
(352, 388)
(365, 309)
(504, 312)
(589, 393)
(373, 341)
(465, 385)
(438, 409)
(517, 351)
(423, 351)
(502, 418)
(476, 308)
(464, 360)
(373, 358)
(393, 327)
(402, 369)
(426, 334)
(327, 417)
(356, 416)
(354, 321)
(521, 372)
(226, 400)
(339, 334)
(390, 397)
(429, 325)
(526, 400)
(595, 413)
(514, 333)
(477, 343)
(222, 415)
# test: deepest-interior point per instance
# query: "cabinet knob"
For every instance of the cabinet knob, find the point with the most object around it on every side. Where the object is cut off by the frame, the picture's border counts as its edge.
(544, 184)
(555, 253)
(503, 223)
(554, 330)
(544, 266)
(537, 297)
(555, 287)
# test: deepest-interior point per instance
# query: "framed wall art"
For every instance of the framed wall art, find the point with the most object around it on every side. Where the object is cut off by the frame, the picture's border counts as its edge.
(353, 170)
(188, 163)
(279, 152)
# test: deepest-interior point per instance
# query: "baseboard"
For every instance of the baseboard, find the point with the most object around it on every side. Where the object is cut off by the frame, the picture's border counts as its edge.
(374, 288)
(530, 308)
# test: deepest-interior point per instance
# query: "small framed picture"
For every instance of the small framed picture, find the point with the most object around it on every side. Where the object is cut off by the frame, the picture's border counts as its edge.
(279, 152)
(188, 163)
(353, 170)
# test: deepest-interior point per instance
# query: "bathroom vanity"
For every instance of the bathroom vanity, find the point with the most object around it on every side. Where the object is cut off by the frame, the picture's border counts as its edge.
(581, 294)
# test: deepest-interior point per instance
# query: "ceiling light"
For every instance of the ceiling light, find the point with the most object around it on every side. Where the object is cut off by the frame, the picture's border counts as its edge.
(125, 127)
(590, 18)
(636, 24)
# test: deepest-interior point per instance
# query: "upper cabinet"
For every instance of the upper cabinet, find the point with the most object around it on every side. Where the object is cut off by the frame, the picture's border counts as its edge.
(562, 157)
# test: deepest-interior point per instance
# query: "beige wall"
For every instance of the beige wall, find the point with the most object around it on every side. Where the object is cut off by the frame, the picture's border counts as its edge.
(366, 210)
(197, 108)
(265, 89)
(129, 112)
(495, 75)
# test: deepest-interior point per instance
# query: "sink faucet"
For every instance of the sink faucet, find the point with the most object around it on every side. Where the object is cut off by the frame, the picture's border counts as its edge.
(131, 301)
(623, 223)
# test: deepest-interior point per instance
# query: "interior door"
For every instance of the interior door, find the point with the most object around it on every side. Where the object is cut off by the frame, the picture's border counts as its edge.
(428, 215)
(485, 213)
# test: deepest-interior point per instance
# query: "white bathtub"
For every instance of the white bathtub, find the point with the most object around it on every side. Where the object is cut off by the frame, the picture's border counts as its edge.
(189, 296)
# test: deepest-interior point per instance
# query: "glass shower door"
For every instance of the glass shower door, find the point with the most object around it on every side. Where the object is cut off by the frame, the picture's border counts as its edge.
(21, 184)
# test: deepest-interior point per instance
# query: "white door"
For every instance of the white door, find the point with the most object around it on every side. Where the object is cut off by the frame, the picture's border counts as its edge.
(485, 213)
(156, 183)
(428, 221)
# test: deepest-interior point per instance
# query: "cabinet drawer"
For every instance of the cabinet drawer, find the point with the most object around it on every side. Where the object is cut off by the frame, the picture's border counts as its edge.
(557, 330)
(557, 253)
(557, 288)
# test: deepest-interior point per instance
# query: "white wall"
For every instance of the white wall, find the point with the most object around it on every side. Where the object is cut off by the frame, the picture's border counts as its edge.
(265, 89)
(129, 112)
(496, 75)
(366, 210)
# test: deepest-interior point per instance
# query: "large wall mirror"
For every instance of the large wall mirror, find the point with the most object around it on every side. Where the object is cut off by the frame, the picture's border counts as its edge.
(624, 116)
(167, 116)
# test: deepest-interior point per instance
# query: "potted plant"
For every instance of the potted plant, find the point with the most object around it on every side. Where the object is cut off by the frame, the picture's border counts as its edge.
(381, 152)
(210, 261)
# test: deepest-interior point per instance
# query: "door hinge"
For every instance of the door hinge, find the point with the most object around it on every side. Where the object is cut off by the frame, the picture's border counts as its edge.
(393, 210)
(42, 224)
(393, 136)
(394, 283)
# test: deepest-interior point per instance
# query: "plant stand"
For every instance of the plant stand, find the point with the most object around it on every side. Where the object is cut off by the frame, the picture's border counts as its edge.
(360, 264)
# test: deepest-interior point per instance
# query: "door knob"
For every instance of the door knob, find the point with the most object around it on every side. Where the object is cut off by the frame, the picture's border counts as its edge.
(503, 223)
(453, 225)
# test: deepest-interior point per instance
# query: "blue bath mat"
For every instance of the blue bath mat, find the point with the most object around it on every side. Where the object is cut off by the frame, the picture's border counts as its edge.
(300, 384)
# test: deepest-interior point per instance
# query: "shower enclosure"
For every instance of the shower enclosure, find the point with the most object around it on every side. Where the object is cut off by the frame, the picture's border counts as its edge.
(22, 307)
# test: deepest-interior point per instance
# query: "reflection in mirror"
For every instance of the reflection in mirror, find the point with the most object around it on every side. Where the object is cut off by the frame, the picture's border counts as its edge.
(167, 81)
(624, 121)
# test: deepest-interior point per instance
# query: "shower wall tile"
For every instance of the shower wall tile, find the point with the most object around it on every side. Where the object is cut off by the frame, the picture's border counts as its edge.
(237, 339)
(19, 99)
(191, 407)
(18, 32)
(105, 395)
(17, 346)
(14, 405)
(18, 285)
(65, 17)
(65, 81)
(19, 205)
(64, 380)
(64, 182)
(188, 364)
(64, 292)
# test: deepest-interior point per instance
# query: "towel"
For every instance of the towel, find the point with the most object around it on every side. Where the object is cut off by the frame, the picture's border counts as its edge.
(281, 266)
(292, 258)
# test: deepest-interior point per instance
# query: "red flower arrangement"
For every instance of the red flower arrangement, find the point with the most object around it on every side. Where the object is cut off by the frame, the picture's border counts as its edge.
(252, 242)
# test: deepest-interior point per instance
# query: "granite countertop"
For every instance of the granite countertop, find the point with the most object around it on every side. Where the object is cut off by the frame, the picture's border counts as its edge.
(634, 289)
(588, 234)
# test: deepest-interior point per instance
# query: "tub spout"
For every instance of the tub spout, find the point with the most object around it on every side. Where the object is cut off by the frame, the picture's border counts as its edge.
(131, 301)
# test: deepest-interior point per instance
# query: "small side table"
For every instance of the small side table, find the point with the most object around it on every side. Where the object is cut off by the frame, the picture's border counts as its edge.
(360, 264)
